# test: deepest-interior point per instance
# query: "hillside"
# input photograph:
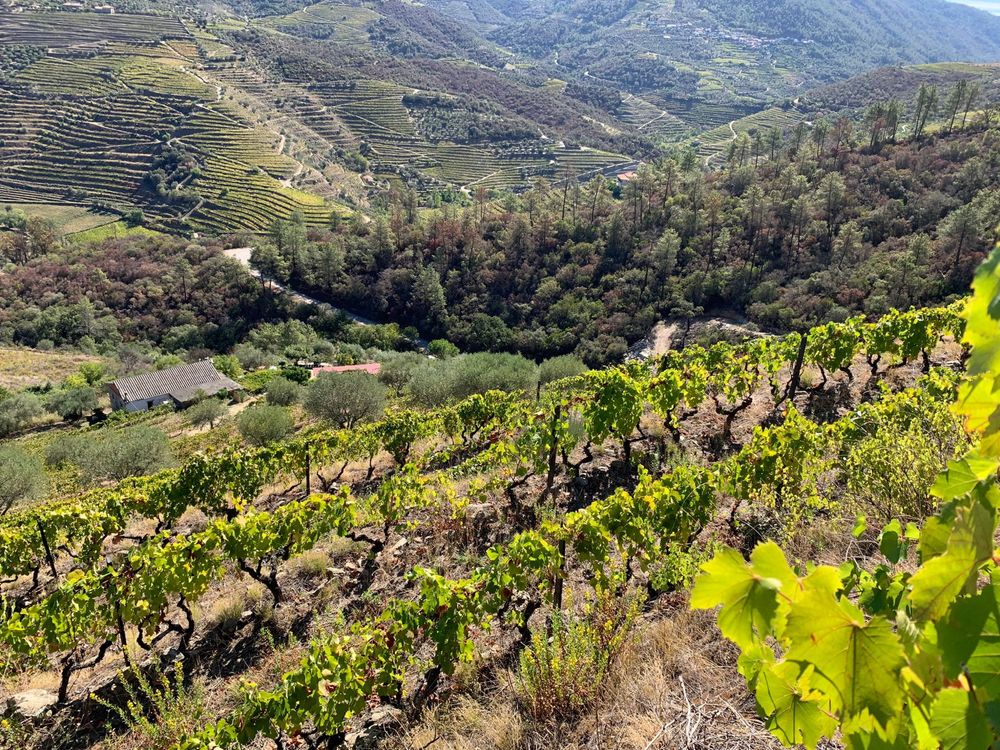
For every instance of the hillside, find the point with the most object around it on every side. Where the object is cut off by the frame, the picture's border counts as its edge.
(208, 122)
(397, 578)
(690, 57)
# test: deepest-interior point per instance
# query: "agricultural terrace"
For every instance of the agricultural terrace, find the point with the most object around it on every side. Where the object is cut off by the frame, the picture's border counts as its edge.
(55, 29)
(85, 127)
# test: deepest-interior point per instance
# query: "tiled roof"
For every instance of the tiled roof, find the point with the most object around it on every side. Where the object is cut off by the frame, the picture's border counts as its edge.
(180, 383)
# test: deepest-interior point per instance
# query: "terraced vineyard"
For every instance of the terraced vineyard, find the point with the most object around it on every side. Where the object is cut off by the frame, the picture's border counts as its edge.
(71, 29)
(713, 143)
(85, 126)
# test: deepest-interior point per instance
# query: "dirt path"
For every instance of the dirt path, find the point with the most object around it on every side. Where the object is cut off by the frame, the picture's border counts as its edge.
(661, 338)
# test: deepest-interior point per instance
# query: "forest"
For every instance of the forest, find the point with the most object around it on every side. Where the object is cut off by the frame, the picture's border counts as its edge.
(796, 230)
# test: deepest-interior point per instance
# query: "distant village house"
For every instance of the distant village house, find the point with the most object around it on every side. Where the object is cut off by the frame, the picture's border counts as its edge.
(181, 386)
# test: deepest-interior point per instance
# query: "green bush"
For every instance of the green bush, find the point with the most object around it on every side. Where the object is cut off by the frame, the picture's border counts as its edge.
(114, 454)
(73, 403)
(439, 382)
(264, 424)
(17, 412)
(397, 369)
(283, 392)
(442, 349)
(345, 398)
(206, 412)
(558, 368)
(562, 674)
(22, 477)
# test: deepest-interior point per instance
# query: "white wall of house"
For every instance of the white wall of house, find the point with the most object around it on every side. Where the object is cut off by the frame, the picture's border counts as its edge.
(135, 406)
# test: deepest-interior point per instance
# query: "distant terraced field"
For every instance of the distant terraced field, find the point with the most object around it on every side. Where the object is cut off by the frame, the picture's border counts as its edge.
(83, 126)
(86, 125)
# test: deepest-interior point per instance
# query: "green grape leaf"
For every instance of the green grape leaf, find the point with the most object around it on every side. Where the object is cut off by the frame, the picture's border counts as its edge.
(890, 542)
(941, 579)
(970, 642)
(963, 475)
(958, 722)
(856, 663)
(979, 402)
(982, 314)
(752, 661)
(794, 711)
(748, 593)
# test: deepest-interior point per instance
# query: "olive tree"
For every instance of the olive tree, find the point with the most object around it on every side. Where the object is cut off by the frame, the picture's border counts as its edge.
(345, 398)
(22, 477)
(264, 424)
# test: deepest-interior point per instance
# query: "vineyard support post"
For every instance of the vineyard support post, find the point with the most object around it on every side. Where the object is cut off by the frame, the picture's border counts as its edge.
(308, 471)
(793, 383)
(48, 551)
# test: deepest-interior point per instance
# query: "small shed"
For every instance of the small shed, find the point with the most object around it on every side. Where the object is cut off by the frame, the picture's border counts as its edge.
(180, 386)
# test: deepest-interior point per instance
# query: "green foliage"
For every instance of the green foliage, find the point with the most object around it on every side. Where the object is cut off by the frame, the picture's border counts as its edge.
(22, 477)
(263, 424)
(159, 710)
(442, 349)
(562, 673)
(893, 657)
(345, 398)
(557, 368)
(208, 411)
(113, 454)
(889, 468)
(74, 402)
(17, 412)
(283, 392)
(397, 369)
(94, 373)
(228, 365)
(440, 382)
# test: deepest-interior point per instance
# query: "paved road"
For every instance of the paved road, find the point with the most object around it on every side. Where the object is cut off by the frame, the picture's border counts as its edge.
(242, 254)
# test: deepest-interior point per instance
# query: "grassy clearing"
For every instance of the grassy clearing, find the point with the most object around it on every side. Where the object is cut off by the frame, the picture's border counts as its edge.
(22, 368)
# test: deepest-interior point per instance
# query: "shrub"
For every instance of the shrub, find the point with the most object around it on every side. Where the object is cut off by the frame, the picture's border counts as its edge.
(264, 424)
(561, 675)
(206, 412)
(442, 349)
(397, 369)
(283, 392)
(454, 379)
(228, 365)
(889, 471)
(74, 402)
(345, 398)
(17, 412)
(22, 477)
(93, 372)
(160, 710)
(558, 368)
(119, 454)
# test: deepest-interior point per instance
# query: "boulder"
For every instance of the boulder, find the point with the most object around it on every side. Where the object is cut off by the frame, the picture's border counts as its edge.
(31, 704)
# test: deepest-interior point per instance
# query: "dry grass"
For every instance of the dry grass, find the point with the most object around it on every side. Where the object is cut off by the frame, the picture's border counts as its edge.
(22, 368)
(676, 686)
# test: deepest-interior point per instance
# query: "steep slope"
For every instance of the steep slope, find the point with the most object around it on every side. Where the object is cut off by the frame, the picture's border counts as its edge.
(866, 32)
(711, 61)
